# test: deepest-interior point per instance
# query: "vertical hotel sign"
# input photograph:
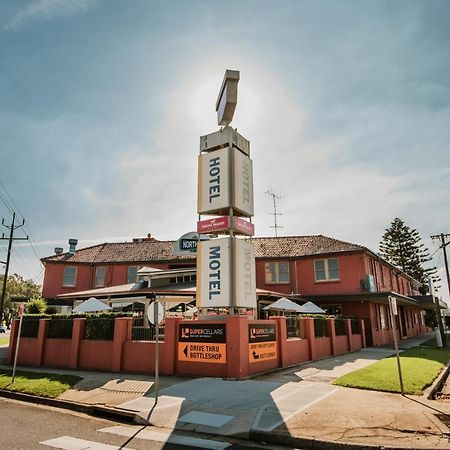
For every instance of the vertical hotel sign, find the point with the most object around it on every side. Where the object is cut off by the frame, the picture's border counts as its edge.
(226, 266)
(213, 263)
(217, 172)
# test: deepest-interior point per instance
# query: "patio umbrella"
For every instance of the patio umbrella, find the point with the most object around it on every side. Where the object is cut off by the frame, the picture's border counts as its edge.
(311, 308)
(91, 305)
(283, 304)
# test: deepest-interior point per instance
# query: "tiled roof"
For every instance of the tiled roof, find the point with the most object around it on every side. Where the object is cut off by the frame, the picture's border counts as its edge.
(161, 251)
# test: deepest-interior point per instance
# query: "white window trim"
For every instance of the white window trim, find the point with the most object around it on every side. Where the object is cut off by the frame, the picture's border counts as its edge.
(104, 276)
(74, 278)
(277, 272)
(327, 272)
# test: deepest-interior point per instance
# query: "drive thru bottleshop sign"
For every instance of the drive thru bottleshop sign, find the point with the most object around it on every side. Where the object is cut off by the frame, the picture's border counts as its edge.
(262, 342)
(216, 171)
(213, 263)
(202, 343)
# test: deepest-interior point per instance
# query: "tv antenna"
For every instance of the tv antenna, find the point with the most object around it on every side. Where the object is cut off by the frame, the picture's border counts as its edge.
(275, 197)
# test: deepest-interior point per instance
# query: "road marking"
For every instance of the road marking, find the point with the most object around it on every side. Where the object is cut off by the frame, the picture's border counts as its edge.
(169, 438)
(72, 443)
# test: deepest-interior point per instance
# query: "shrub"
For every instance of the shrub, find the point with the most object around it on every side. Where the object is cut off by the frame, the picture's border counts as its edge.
(339, 326)
(60, 328)
(36, 305)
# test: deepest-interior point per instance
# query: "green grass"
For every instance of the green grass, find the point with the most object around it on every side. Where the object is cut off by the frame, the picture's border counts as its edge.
(4, 340)
(37, 383)
(420, 366)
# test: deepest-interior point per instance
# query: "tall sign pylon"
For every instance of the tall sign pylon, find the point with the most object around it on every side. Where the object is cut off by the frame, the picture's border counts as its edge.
(226, 265)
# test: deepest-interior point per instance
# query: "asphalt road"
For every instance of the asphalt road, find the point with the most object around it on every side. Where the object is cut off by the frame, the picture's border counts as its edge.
(28, 426)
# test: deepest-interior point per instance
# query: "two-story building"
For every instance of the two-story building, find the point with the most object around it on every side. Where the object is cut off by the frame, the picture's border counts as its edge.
(343, 278)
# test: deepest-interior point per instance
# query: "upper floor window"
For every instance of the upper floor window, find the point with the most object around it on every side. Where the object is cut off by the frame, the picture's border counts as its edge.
(70, 276)
(132, 274)
(100, 276)
(326, 269)
(277, 272)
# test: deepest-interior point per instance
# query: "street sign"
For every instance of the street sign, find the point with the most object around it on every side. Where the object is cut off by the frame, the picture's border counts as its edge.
(155, 313)
(222, 225)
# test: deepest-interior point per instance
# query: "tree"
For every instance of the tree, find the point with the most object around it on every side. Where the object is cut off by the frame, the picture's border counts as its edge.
(17, 287)
(402, 246)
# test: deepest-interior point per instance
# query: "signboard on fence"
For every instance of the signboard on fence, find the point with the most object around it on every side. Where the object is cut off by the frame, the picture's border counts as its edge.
(262, 342)
(202, 343)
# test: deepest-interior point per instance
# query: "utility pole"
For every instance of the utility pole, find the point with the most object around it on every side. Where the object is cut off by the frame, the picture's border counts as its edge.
(11, 238)
(275, 213)
(442, 237)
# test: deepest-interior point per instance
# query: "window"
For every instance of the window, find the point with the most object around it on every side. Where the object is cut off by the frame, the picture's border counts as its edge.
(70, 276)
(326, 269)
(132, 274)
(277, 272)
(100, 276)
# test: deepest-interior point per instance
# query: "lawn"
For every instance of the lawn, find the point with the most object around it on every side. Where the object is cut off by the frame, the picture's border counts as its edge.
(37, 383)
(420, 366)
(4, 340)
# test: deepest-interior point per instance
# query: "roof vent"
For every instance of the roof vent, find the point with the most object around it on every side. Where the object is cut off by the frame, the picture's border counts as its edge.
(58, 250)
(72, 246)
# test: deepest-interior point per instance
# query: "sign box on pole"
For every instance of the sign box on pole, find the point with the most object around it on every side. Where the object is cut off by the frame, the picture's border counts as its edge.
(217, 171)
(213, 274)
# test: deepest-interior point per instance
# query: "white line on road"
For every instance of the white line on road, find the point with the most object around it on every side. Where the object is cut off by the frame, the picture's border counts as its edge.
(71, 443)
(170, 438)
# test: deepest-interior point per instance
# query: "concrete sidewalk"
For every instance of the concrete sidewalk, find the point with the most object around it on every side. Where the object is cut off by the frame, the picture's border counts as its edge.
(297, 406)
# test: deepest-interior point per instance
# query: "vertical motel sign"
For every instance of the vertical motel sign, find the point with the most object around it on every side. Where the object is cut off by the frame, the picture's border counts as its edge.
(226, 266)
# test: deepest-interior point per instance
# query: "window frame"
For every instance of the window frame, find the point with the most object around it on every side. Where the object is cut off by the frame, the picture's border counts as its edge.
(64, 284)
(276, 272)
(326, 270)
(128, 274)
(96, 284)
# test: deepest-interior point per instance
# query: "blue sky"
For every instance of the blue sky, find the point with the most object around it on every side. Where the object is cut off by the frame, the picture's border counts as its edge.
(346, 105)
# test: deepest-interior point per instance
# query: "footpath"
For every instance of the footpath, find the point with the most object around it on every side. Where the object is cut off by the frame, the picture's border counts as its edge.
(296, 407)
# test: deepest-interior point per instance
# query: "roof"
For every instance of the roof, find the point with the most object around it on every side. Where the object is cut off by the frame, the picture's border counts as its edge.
(161, 251)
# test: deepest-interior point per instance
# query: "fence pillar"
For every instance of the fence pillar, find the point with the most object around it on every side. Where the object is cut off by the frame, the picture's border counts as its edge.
(311, 336)
(42, 335)
(13, 340)
(77, 336)
(237, 347)
(363, 333)
(120, 336)
(331, 331)
(281, 340)
(348, 332)
(170, 345)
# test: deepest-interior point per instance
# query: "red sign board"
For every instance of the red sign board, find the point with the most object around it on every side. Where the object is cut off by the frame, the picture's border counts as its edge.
(221, 224)
(243, 227)
(20, 310)
(212, 225)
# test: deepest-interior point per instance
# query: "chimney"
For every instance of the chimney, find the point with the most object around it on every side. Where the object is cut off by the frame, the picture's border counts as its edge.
(72, 245)
(58, 250)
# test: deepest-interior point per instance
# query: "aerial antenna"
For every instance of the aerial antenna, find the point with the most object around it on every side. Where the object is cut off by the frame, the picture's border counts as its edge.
(275, 197)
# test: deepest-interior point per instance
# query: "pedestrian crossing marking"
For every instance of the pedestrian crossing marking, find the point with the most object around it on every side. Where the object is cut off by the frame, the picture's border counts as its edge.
(169, 438)
(72, 443)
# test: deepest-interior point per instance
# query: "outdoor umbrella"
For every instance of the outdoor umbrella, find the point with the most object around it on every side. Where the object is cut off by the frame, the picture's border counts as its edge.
(283, 304)
(311, 308)
(91, 305)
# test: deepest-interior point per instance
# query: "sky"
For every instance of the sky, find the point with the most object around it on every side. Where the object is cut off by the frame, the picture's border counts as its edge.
(102, 103)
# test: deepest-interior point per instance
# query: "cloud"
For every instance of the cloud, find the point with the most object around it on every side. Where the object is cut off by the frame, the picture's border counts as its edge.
(47, 10)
